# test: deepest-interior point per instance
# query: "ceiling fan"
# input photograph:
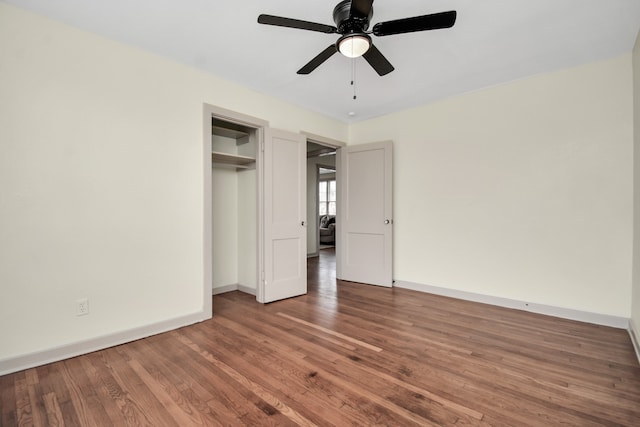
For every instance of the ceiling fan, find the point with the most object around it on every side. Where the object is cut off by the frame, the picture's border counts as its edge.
(352, 19)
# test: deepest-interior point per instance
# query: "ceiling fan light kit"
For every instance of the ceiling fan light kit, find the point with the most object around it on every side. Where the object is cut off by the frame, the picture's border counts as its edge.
(354, 45)
(352, 18)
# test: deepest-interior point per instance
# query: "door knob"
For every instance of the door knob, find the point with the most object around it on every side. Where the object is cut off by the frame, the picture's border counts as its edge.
(302, 223)
(387, 222)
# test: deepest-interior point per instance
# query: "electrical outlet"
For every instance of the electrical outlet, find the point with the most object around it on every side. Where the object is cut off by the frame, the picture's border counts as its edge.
(82, 307)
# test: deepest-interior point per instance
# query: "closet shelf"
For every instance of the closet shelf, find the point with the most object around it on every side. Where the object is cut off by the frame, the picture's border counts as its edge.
(228, 132)
(232, 159)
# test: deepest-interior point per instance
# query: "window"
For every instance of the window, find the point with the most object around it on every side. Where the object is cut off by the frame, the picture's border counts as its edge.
(327, 197)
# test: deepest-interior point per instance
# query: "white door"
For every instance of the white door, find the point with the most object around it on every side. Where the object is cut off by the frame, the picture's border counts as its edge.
(364, 250)
(285, 198)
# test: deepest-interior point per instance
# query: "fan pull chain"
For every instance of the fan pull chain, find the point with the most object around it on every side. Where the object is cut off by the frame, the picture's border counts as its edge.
(353, 76)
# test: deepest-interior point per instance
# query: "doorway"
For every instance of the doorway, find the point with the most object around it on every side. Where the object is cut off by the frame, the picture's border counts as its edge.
(232, 240)
(321, 170)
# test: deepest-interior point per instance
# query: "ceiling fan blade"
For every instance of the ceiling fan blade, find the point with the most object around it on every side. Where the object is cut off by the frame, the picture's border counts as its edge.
(296, 23)
(361, 8)
(318, 60)
(377, 60)
(434, 21)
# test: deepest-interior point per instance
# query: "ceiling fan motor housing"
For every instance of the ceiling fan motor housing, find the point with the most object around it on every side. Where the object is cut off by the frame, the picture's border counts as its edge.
(348, 23)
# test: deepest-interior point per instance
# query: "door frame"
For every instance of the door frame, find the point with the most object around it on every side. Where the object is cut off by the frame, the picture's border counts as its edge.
(209, 112)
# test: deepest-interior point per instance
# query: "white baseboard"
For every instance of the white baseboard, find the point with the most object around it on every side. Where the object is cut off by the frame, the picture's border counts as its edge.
(247, 290)
(56, 354)
(230, 288)
(224, 289)
(564, 313)
(633, 333)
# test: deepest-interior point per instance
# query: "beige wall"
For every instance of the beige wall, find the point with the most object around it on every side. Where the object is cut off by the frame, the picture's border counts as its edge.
(635, 300)
(101, 182)
(520, 191)
(247, 235)
(224, 201)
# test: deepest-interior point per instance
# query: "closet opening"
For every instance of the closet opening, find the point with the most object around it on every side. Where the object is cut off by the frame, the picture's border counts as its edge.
(234, 219)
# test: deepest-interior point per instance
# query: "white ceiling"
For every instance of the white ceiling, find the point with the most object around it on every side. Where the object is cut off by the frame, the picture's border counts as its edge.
(493, 41)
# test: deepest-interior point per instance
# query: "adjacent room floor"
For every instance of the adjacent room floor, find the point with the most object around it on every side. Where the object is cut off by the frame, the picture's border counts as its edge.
(344, 354)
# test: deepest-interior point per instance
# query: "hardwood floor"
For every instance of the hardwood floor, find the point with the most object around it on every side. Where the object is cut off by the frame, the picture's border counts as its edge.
(345, 354)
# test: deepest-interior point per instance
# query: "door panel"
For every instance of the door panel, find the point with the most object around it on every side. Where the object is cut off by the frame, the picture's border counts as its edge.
(285, 234)
(364, 251)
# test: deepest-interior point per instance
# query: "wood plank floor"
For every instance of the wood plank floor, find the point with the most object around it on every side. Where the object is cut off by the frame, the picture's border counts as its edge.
(345, 354)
